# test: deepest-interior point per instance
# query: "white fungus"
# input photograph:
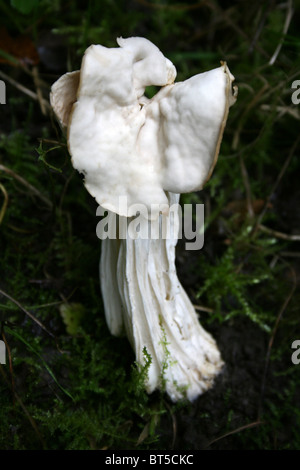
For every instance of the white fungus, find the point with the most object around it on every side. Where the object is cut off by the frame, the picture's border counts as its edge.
(146, 152)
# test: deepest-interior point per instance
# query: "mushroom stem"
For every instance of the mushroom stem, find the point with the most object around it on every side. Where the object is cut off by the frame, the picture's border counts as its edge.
(144, 298)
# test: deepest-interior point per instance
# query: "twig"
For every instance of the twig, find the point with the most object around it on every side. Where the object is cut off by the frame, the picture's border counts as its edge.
(271, 341)
(21, 307)
(290, 254)
(203, 309)
(23, 89)
(174, 424)
(223, 14)
(52, 141)
(260, 26)
(282, 110)
(277, 234)
(26, 312)
(247, 186)
(5, 202)
(288, 19)
(259, 95)
(249, 146)
(40, 98)
(25, 183)
(235, 431)
(29, 417)
(275, 186)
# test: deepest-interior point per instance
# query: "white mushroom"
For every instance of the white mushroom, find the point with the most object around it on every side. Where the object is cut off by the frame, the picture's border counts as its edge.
(146, 152)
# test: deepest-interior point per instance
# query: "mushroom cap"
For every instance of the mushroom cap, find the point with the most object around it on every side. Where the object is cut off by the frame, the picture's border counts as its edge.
(192, 117)
(130, 147)
(150, 67)
(63, 96)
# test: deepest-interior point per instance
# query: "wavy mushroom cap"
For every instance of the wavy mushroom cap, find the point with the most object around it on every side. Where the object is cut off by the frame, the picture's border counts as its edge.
(130, 147)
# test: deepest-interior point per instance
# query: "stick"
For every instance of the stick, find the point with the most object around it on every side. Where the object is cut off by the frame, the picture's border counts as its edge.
(31, 188)
(277, 234)
(26, 312)
(24, 89)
